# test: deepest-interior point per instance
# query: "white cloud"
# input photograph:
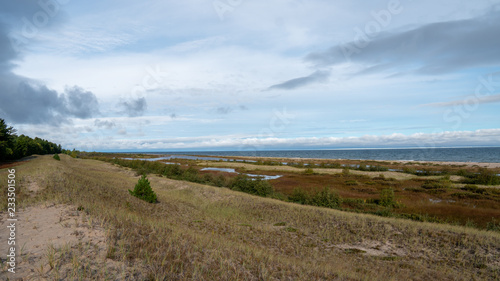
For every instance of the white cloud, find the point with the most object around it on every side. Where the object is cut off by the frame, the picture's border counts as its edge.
(439, 139)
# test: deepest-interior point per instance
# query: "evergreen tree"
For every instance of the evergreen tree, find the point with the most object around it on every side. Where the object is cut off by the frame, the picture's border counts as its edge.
(16, 147)
(144, 191)
(7, 136)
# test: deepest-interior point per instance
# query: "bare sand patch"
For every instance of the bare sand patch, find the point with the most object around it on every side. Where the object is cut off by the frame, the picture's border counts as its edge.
(57, 241)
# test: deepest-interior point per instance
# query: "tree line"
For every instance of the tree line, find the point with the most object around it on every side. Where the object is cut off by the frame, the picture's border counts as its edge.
(14, 147)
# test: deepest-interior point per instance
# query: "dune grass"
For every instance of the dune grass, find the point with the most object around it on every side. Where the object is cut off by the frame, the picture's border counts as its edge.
(199, 232)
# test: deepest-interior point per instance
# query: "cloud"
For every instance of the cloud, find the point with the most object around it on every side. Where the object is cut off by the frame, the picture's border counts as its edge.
(134, 108)
(486, 137)
(224, 110)
(468, 101)
(317, 76)
(435, 48)
(7, 53)
(104, 124)
(80, 103)
(229, 109)
(27, 101)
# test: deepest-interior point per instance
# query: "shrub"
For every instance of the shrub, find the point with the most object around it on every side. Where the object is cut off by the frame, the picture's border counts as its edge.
(326, 198)
(474, 189)
(433, 184)
(467, 195)
(299, 196)
(351, 182)
(56, 156)
(387, 198)
(309, 171)
(277, 195)
(144, 191)
(262, 187)
(253, 186)
(485, 176)
(355, 203)
(493, 225)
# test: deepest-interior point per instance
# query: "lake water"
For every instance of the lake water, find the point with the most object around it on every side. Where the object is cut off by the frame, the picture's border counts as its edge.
(479, 154)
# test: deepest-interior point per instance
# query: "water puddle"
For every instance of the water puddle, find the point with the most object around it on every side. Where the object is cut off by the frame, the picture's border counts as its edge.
(434, 201)
(227, 170)
(264, 177)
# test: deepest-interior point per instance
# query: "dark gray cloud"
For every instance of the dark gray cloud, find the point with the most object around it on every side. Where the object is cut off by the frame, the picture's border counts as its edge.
(316, 77)
(134, 108)
(104, 124)
(24, 100)
(80, 103)
(430, 49)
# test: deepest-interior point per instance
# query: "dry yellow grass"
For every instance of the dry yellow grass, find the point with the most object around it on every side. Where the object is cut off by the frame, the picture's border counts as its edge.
(200, 232)
(252, 167)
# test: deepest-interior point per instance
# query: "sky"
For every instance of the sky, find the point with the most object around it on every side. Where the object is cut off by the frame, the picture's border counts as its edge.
(198, 75)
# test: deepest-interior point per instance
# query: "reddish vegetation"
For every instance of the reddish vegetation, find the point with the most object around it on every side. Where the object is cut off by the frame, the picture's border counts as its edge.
(442, 203)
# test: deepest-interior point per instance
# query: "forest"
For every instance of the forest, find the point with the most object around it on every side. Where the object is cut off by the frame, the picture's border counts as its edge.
(14, 147)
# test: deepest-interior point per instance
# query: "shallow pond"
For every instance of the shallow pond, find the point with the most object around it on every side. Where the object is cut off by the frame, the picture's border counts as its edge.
(228, 170)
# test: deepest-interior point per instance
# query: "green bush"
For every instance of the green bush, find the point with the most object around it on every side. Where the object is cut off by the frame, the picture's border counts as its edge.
(467, 195)
(355, 203)
(493, 225)
(485, 176)
(474, 189)
(253, 186)
(351, 182)
(56, 156)
(144, 191)
(433, 184)
(309, 171)
(326, 198)
(299, 196)
(387, 198)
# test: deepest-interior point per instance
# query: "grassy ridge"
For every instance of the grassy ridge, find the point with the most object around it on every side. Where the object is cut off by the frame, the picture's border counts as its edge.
(207, 233)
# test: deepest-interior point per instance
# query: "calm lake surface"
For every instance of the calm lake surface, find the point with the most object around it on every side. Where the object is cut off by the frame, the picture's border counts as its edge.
(479, 154)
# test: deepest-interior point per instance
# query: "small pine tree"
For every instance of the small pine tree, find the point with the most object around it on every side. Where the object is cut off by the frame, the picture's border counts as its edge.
(143, 190)
(56, 156)
(387, 198)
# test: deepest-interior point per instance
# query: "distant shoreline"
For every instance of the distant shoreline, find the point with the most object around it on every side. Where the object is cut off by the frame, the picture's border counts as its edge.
(469, 164)
(465, 156)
